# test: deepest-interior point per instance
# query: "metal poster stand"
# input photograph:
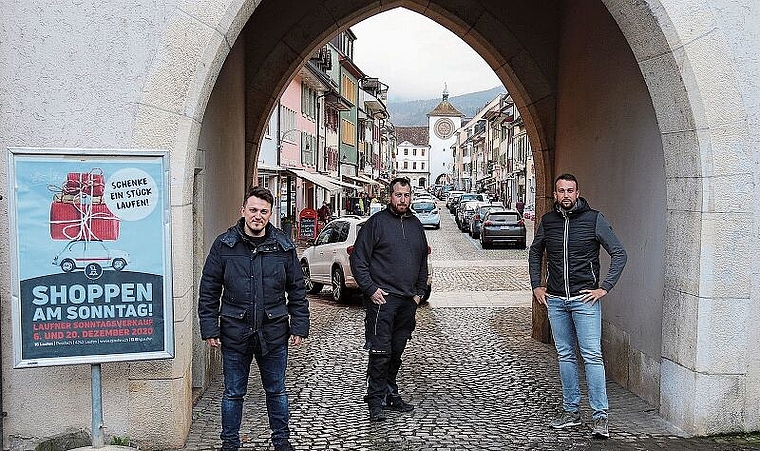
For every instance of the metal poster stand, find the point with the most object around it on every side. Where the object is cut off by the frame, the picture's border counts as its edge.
(97, 407)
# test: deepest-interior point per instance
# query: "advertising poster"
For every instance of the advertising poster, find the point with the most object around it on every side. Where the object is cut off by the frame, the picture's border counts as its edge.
(92, 270)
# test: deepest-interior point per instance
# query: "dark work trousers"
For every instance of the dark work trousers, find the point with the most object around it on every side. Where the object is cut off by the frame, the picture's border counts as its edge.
(387, 328)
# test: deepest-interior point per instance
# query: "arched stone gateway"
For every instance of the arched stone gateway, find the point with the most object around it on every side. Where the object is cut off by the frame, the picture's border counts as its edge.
(654, 106)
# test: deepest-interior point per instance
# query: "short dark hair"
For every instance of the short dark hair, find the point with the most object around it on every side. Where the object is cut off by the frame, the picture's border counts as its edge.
(566, 176)
(260, 193)
(403, 181)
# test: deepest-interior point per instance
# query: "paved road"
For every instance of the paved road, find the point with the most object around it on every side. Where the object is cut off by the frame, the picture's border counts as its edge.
(477, 378)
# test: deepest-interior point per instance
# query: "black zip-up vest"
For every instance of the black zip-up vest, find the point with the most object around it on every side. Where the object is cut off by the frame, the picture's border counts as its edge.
(572, 250)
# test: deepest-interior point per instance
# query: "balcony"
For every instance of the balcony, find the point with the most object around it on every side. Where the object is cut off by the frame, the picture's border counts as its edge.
(322, 58)
(337, 101)
(375, 87)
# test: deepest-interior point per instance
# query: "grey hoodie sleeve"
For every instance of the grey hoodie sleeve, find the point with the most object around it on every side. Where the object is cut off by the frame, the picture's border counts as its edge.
(612, 245)
(535, 255)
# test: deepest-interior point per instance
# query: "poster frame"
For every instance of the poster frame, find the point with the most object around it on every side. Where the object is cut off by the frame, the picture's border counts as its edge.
(85, 155)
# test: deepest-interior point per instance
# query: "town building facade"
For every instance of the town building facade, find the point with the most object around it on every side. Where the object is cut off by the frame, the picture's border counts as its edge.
(413, 155)
(322, 143)
(493, 154)
(443, 121)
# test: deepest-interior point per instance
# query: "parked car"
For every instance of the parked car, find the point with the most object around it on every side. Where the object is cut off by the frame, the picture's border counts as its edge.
(466, 211)
(502, 227)
(444, 192)
(453, 197)
(427, 212)
(77, 254)
(423, 196)
(326, 262)
(464, 198)
(477, 219)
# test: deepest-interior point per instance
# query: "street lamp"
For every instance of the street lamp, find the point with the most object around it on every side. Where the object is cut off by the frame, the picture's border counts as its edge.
(280, 137)
(319, 121)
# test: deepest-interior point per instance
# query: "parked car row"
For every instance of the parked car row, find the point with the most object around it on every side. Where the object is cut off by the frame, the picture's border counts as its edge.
(441, 191)
(491, 223)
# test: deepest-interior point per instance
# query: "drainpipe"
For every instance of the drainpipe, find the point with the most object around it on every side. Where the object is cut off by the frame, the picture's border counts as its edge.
(319, 121)
(3, 413)
(278, 149)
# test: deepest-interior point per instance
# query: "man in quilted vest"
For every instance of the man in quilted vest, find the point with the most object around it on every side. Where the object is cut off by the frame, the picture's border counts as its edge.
(571, 234)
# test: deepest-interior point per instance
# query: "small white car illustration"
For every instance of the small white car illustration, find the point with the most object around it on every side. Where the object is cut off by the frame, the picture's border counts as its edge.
(79, 253)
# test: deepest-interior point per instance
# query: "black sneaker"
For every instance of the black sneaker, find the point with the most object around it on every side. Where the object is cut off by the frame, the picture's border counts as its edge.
(283, 446)
(566, 420)
(600, 429)
(398, 404)
(376, 414)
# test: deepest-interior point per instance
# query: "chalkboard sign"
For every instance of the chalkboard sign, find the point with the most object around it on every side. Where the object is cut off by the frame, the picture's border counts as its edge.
(308, 228)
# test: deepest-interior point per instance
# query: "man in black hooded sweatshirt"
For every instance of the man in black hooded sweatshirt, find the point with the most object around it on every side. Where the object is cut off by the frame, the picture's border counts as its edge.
(389, 262)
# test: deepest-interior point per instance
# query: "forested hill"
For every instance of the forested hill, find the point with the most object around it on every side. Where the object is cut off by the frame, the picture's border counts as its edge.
(414, 112)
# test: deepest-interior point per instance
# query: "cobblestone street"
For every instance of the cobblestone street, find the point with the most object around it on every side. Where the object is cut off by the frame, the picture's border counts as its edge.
(478, 380)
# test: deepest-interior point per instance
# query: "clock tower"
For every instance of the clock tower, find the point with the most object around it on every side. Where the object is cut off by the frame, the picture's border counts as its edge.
(443, 121)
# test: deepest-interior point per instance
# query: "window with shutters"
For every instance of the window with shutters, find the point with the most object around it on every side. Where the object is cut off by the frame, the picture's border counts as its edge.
(348, 88)
(347, 132)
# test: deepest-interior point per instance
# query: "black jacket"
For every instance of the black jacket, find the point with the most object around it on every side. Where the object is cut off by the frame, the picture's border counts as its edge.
(391, 253)
(251, 283)
(571, 240)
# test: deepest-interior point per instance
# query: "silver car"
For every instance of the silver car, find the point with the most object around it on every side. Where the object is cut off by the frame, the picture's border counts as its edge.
(326, 262)
(428, 213)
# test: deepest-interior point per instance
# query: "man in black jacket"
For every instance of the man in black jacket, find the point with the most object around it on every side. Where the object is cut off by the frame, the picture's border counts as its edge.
(250, 268)
(571, 235)
(389, 263)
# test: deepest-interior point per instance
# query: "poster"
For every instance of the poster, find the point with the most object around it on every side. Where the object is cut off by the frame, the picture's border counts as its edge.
(91, 256)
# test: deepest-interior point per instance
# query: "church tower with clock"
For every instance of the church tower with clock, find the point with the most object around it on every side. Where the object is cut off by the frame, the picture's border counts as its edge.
(443, 121)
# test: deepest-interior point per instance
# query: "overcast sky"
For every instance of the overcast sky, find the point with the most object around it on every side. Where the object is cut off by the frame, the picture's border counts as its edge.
(415, 57)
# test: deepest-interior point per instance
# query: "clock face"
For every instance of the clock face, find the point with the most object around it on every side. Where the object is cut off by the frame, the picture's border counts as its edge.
(444, 128)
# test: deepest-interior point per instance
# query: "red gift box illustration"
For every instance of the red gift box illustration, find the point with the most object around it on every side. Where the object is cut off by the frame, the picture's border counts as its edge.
(78, 212)
(90, 183)
(101, 224)
(65, 221)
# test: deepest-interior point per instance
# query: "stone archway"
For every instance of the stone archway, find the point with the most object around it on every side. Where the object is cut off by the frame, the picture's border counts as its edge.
(523, 43)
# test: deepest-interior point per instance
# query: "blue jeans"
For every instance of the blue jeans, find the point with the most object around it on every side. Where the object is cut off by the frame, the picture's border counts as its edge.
(571, 320)
(237, 367)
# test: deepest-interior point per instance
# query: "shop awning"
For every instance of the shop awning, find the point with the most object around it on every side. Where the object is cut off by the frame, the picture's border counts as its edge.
(345, 184)
(320, 180)
(362, 179)
(262, 167)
